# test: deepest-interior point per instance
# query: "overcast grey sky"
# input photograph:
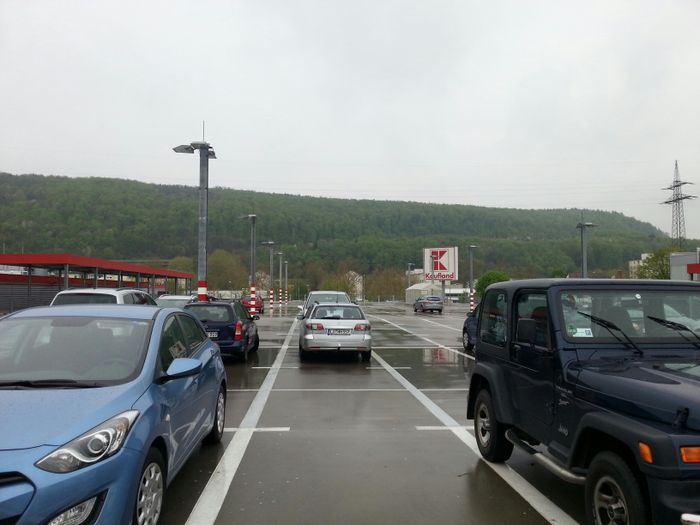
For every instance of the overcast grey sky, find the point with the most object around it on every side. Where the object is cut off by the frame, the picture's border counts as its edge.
(509, 103)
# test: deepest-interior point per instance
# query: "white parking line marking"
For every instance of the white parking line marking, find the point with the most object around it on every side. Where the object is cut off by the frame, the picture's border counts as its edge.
(424, 338)
(349, 389)
(382, 368)
(534, 497)
(423, 347)
(261, 429)
(440, 428)
(214, 494)
(270, 367)
(443, 325)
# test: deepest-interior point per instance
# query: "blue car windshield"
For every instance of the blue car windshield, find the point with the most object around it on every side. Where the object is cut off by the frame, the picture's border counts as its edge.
(84, 350)
(644, 315)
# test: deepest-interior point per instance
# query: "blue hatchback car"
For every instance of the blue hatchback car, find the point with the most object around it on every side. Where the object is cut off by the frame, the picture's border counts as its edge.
(101, 406)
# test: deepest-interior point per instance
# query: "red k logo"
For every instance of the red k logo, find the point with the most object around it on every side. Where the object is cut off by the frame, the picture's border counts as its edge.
(436, 256)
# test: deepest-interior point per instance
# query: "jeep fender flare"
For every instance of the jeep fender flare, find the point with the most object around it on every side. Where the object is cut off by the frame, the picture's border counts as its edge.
(492, 378)
(622, 434)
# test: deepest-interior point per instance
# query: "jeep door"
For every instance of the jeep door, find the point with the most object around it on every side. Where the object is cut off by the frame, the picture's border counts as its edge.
(532, 364)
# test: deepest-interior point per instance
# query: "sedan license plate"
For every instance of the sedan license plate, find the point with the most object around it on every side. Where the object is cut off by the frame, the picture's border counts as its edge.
(212, 335)
(338, 331)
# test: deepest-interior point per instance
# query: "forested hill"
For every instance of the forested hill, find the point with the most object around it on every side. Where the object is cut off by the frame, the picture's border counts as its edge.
(122, 219)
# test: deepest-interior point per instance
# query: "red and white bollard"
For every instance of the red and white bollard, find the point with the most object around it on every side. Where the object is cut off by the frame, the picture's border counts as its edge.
(286, 296)
(280, 297)
(272, 298)
(471, 299)
(253, 310)
(202, 291)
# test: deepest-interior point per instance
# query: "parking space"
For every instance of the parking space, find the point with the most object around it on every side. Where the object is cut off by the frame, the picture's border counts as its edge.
(334, 439)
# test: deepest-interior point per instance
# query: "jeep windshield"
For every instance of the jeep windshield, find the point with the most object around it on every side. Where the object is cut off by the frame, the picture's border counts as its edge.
(644, 315)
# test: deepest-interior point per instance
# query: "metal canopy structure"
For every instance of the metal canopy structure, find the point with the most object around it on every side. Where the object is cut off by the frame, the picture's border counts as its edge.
(42, 275)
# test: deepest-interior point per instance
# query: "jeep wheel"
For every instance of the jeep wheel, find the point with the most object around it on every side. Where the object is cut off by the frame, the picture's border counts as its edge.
(490, 433)
(465, 341)
(613, 493)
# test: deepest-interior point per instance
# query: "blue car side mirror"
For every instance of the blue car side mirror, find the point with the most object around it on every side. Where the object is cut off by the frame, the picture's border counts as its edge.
(182, 367)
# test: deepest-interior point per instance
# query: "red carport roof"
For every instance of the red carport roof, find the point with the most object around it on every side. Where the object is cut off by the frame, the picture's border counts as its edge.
(78, 262)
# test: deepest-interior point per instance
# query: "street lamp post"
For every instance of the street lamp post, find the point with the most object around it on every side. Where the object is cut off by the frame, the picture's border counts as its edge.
(408, 274)
(286, 284)
(472, 247)
(253, 246)
(584, 226)
(279, 299)
(206, 152)
(271, 244)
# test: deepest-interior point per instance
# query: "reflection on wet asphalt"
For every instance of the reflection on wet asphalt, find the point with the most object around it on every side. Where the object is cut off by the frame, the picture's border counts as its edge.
(356, 449)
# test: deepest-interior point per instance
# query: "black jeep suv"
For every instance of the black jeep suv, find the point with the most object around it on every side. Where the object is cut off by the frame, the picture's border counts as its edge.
(600, 381)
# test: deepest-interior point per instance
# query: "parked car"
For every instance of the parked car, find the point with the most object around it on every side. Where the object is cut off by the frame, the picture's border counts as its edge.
(469, 329)
(249, 303)
(103, 296)
(336, 327)
(563, 374)
(322, 296)
(104, 405)
(175, 301)
(229, 325)
(428, 303)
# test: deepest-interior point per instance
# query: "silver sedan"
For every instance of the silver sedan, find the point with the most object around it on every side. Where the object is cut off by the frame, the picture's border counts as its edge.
(335, 327)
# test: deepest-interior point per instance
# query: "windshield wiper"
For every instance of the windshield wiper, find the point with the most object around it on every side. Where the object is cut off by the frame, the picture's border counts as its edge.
(48, 383)
(678, 327)
(610, 327)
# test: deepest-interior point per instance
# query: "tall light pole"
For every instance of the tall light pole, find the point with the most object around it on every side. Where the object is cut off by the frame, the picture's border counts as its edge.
(408, 275)
(279, 299)
(583, 226)
(286, 284)
(253, 246)
(206, 152)
(472, 247)
(271, 244)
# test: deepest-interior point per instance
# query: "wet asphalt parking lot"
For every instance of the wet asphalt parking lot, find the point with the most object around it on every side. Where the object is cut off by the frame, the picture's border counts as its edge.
(337, 440)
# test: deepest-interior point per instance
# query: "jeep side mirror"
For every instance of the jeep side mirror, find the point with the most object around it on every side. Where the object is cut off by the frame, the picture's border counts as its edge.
(526, 330)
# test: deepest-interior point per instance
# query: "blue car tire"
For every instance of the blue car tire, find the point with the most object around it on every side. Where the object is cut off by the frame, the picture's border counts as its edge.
(151, 489)
(217, 430)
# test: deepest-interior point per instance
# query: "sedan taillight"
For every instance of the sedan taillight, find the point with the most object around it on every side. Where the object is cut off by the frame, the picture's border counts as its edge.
(362, 327)
(314, 327)
(239, 331)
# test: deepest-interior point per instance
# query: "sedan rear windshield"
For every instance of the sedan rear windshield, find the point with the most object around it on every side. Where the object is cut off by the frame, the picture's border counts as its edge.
(75, 350)
(85, 298)
(211, 314)
(337, 312)
(433, 298)
(642, 314)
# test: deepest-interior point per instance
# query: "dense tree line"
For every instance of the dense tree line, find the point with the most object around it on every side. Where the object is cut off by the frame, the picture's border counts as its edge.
(120, 219)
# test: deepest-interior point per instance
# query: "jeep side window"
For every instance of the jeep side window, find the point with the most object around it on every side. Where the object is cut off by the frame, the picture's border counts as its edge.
(534, 306)
(493, 318)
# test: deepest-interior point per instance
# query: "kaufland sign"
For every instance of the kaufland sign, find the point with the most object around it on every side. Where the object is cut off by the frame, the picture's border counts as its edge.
(440, 264)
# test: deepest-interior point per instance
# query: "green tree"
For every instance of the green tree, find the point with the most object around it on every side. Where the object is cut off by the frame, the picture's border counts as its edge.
(494, 276)
(385, 284)
(226, 271)
(657, 265)
(181, 264)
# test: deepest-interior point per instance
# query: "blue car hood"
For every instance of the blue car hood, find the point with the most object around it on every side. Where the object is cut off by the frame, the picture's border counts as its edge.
(32, 418)
(650, 389)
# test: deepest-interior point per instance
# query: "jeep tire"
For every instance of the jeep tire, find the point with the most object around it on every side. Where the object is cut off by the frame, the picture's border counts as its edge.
(613, 492)
(490, 433)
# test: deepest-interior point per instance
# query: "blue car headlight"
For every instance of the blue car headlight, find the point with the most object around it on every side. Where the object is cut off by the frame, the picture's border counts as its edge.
(95, 445)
